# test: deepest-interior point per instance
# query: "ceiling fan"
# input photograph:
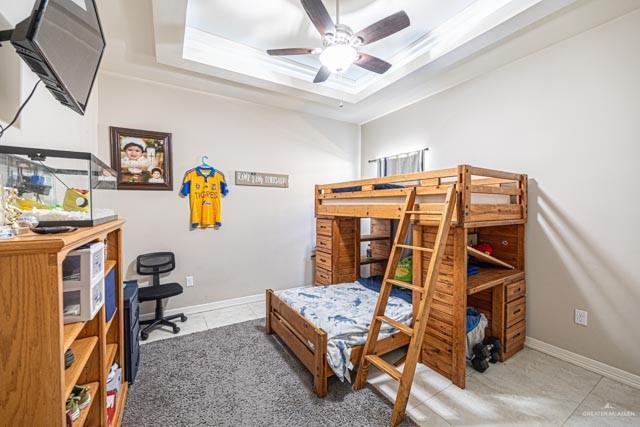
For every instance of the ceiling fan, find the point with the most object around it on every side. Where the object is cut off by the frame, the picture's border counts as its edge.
(341, 44)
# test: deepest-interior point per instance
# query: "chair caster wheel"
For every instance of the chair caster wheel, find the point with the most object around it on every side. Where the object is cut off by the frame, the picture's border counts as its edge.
(183, 318)
(144, 336)
(176, 329)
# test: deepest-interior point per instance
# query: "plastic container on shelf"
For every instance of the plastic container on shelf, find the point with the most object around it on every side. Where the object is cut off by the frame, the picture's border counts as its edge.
(83, 265)
(83, 282)
(82, 302)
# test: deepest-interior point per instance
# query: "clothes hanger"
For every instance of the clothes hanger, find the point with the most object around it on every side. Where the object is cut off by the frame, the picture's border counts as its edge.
(204, 164)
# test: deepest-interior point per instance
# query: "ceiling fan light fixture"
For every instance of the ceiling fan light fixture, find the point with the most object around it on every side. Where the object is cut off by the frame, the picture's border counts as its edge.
(338, 57)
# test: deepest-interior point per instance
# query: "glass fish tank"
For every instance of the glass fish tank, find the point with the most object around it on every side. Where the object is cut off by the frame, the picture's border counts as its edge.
(57, 187)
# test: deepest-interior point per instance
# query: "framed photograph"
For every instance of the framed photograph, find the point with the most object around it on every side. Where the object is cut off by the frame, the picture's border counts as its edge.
(142, 159)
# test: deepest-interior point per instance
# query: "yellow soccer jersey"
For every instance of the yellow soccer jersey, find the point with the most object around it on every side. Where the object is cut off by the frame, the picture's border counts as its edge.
(205, 188)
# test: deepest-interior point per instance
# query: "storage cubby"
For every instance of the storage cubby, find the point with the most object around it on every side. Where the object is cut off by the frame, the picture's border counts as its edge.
(33, 368)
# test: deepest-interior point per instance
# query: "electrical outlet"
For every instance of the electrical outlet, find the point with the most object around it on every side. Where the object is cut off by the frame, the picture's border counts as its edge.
(581, 317)
(189, 281)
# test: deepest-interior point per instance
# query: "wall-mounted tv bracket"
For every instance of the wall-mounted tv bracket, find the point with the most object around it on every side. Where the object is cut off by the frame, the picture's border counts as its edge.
(5, 36)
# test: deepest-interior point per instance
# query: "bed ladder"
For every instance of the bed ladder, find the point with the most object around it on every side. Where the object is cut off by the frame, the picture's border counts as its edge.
(416, 333)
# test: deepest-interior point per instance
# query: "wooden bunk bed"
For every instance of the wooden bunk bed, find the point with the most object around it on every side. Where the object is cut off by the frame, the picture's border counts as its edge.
(491, 204)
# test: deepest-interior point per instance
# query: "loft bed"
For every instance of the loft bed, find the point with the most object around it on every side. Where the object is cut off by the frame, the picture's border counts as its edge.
(488, 197)
(493, 207)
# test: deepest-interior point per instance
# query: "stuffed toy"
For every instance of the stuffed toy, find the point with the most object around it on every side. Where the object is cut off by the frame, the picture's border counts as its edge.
(484, 247)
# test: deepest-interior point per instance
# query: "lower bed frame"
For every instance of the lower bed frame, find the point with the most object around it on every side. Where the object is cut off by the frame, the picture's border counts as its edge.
(309, 342)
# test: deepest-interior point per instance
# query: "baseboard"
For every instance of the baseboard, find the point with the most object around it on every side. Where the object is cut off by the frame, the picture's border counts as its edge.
(193, 309)
(603, 369)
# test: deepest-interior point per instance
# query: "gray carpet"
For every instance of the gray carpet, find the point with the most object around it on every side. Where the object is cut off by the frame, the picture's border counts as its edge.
(238, 376)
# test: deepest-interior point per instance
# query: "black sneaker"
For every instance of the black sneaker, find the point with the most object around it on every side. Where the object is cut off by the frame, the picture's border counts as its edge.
(69, 358)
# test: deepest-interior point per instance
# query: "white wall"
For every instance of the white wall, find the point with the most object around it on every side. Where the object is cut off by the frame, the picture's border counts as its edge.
(267, 233)
(567, 116)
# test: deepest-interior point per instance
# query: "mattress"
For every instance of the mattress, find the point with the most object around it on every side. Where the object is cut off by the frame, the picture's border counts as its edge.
(476, 198)
(344, 312)
(359, 188)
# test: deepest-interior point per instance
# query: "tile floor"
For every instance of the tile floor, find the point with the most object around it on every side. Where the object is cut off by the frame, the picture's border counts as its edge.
(531, 388)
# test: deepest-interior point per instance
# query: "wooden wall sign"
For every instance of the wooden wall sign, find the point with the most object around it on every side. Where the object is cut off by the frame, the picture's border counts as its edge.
(261, 179)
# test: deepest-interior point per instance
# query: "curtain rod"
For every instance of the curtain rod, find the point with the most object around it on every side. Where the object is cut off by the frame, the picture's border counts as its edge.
(398, 155)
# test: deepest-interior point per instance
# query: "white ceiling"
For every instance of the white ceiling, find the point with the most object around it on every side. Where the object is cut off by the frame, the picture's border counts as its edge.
(229, 39)
(218, 47)
(274, 24)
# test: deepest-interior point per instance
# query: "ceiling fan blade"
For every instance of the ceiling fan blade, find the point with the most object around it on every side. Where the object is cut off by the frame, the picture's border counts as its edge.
(323, 75)
(290, 51)
(384, 27)
(372, 63)
(319, 16)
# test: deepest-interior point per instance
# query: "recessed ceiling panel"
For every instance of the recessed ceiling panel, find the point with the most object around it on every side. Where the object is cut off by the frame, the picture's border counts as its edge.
(272, 24)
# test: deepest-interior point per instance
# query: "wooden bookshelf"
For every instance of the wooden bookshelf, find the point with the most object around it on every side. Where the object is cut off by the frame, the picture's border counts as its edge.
(37, 378)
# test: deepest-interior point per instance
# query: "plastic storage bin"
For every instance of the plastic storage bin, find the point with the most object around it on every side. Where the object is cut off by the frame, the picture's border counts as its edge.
(82, 302)
(83, 266)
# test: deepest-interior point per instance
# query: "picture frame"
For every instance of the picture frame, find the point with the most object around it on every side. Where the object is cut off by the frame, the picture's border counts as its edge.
(142, 159)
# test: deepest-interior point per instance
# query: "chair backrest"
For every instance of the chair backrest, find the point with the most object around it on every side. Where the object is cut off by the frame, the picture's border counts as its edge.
(154, 264)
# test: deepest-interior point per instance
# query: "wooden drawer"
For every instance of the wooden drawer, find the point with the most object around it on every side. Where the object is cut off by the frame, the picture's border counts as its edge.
(323, 260)
(514, 338)
(323, 226)
(323, 243)
(514, 291)
(515, 311)
(323, 277)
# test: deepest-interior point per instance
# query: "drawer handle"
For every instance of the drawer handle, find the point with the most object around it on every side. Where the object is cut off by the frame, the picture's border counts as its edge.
(517, 311)
(516, 335)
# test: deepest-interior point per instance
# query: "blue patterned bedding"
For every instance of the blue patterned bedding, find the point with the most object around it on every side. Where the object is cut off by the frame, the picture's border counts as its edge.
(344, 312)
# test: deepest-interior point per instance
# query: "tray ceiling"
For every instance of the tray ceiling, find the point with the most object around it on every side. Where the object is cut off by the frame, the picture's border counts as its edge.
(228, 40)
(283, 23)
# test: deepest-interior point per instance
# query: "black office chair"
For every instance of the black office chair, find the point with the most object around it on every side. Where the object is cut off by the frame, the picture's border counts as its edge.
(155, 264)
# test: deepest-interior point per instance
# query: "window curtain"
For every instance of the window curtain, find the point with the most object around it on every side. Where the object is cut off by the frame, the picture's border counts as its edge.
(401, 163)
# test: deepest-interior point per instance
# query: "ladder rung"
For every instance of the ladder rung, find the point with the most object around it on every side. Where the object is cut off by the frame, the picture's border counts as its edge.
(401, 326)
(386, 367)
(424, 212)
(405, 285)
(418, 248)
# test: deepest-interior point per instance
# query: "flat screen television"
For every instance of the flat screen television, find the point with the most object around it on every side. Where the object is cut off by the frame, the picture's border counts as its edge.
(62, 42)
